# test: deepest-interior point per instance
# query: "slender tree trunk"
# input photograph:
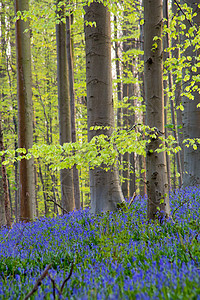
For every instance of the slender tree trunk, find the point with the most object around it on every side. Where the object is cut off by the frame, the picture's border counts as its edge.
(6, 198)
(166, 98)
(2, 204)
(25, 114)
(170, 82)
(128, 115)
(177, 84)
(66, 175)
(10, 72)
(5, 214)
(3, 196)
(73, 111)
(142, 160)
(43, 190)
(191, 113)
(119, 85)
(126, 156)
(104, 186)
(168, 165)
(157, 184)
(131, 121)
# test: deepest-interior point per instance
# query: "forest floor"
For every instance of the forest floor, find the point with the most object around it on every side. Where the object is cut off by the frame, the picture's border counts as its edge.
(109, 256)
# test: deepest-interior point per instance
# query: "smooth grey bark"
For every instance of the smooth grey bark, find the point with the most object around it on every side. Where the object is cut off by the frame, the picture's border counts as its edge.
(104, 186)
(118, 74)
(2, 80)
(142, 160)
(119, 84)
(178, 98)
(25, 114)
(66, 175)
(170, 83)
(191, 114)
(5, 185)
(2, 195)
(126, 156)
(73, 109)
(2, 204)
(157, 184)
(129, 91)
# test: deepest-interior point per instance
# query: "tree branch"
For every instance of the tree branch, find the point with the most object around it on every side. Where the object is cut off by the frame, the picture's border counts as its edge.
(70, 274)
(51, 200)
(38, 282)
(183, 12)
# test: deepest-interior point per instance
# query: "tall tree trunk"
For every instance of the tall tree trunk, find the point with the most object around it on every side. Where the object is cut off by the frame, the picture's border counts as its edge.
(142, 160)
(2, 204)
(191, 114)
(3, 188)
(126, 156)
(25, 114)
(104, 186)
(177, 84)
(66, 175)
(157, 184)
(119, 84)
(4, 195)
(73, 111)
(170, 82)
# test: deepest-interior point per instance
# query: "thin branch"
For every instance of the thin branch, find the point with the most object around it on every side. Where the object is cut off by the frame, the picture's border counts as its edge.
(70, 274)
(51, 200)
(38, 282)
(132, 199)
(192, 258)
(55, 288)
(183, 12)
(182, 203)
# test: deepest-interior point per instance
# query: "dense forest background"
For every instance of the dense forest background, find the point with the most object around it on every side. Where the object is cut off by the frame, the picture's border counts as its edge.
(49, 26)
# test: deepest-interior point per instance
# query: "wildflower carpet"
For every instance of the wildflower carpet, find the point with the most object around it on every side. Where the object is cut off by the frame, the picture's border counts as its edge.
(109, 256)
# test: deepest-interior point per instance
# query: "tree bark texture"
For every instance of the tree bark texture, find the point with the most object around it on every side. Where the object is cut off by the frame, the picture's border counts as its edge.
(73, 110)
(2, 189)
(66, 175)
(178, 98)
(142, 160)
(104, 186)
(157, 184)
(119, 84)
(170, 83)
(191, 114)
(25, 114)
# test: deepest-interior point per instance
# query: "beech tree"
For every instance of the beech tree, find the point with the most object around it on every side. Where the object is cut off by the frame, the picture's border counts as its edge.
(157, 184)
(66, 175)
(4, 192)
(2, 195)
(69, 20)
(25, 113)
(191, 113)
(104, 185)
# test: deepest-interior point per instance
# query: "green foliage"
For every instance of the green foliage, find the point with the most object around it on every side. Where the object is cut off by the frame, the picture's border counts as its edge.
(101, 151)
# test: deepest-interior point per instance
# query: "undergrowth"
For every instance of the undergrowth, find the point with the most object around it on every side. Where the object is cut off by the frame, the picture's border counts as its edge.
(110, 256)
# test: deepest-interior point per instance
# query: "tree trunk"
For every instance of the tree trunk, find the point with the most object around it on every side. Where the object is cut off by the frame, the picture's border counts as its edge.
(104, 186)
(25, 114)
(66, 175)
(73, 111)
(191, 114)
(126, 156)
(170, 82)
(178, 98)
(142, 160)
(157, 184)
(119, 84)
(2, 189)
